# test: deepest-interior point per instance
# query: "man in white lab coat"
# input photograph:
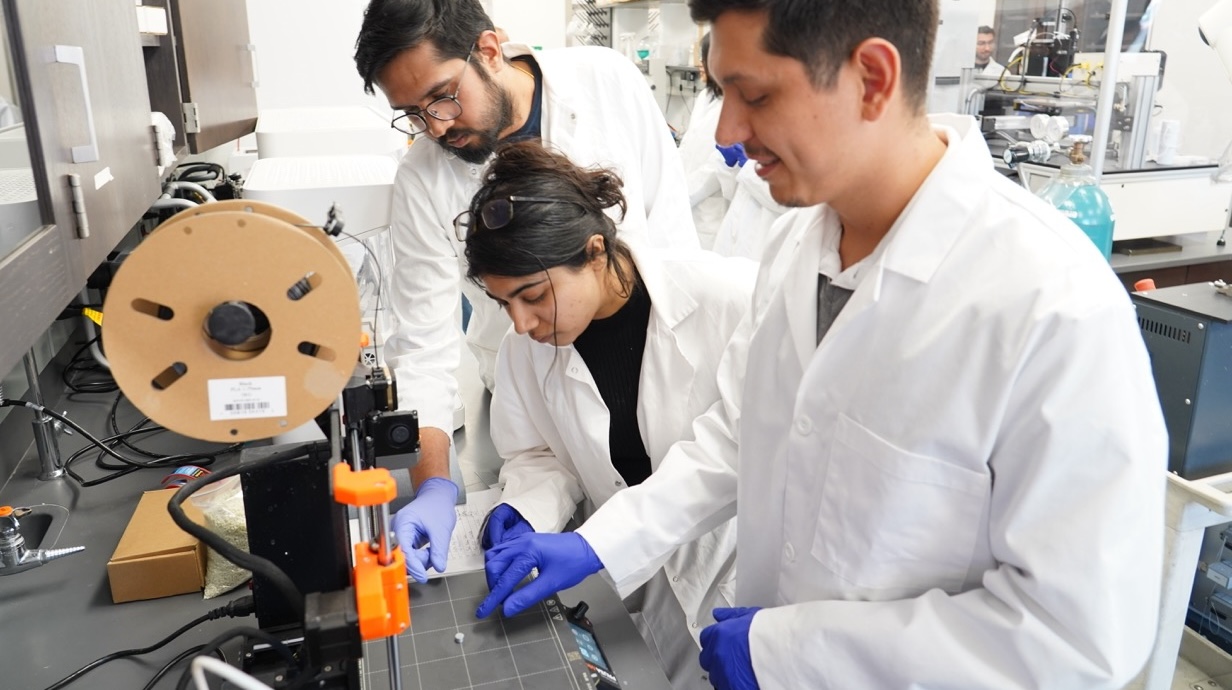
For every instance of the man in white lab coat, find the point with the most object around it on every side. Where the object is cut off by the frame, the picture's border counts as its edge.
(950, 455)
(985, 47)
(442, 66)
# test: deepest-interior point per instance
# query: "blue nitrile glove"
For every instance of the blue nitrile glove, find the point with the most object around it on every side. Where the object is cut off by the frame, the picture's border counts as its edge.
(733, 155)
(428, 520)
(563, 561)
(503, 523)
(725, 649)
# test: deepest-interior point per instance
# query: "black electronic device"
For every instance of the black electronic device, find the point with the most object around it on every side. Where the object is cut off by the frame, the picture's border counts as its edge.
(1188, 333)
(601, 671)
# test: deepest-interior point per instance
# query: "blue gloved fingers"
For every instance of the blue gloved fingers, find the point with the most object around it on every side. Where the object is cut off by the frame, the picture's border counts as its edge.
(416, 564)
(534, 592)
(438, 553)
(734, 156)
(428, 519)
(726, 654)
(723, 613)
(494, 564)
(513, 569)
(504, 523)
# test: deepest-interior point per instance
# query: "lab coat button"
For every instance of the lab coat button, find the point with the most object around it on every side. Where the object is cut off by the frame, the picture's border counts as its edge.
(804, 425)
(619, 483)
(675, 578)
(789, 552)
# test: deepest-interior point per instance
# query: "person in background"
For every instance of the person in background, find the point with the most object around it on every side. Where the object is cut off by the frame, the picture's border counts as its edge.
(752, 210)
(445, 72)
(731, 203)
(614, 353)
(711, 177)
(945, 451)
(985, 48)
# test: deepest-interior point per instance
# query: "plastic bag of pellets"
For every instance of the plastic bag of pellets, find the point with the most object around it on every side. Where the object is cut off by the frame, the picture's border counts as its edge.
(222, 504)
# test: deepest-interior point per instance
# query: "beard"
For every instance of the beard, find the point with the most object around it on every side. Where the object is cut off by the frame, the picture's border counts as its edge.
(486, 138)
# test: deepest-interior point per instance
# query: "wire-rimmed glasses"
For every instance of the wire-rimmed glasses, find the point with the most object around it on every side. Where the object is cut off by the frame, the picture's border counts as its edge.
(445, 109)
(497, 213)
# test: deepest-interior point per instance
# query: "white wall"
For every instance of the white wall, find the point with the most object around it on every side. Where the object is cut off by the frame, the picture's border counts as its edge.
(306, 48)
(305, 53)
(541, 23)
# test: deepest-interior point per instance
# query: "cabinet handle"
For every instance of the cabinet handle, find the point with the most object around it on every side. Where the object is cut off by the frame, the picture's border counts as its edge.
(74, 55)
(252, 53)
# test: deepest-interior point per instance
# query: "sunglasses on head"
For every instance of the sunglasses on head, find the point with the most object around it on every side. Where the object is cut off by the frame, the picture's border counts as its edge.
(497, 213)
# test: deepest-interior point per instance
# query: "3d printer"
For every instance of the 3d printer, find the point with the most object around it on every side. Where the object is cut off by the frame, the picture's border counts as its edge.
(260, 333)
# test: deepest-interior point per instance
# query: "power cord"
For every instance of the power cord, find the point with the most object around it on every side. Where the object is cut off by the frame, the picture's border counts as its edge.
(258, 565)
(162, 672)
(293, 664)
(243, 606)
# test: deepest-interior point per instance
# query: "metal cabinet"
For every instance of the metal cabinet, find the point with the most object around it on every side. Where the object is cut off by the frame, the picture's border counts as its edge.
(203, 74)
(80, 86)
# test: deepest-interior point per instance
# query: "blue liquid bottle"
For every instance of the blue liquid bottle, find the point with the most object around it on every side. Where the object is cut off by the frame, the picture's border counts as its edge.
(1077, 195)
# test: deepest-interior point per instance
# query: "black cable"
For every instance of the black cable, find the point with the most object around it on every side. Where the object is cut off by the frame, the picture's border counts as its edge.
(191, 651)
(79, 364)
(293, 665)
(203, 459)
(76, 427)
(129, 464)
(239, 607)
(243, 559)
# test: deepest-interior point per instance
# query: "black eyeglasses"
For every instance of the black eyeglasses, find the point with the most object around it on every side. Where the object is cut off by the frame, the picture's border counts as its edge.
(445, 109)
(498, 212)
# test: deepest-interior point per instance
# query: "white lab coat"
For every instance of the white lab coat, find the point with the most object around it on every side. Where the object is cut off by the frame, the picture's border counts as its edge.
(962, 486)
(597, 110)
(551, 426)
(994, 68)
(712, 183)
(752, 211)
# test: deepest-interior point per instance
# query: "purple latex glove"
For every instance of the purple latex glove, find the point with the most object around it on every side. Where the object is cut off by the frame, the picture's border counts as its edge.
(503, 523)
(427, 521)
(563, 561)
(733, 155)
(725, 649)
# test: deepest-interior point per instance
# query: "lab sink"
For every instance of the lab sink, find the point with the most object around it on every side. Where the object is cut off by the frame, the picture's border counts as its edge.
(34, 526)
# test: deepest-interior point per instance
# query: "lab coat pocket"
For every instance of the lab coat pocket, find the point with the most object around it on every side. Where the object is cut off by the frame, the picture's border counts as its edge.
(895, 520)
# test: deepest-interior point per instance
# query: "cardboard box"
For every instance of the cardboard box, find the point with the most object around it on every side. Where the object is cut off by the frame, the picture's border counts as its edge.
(155, 558)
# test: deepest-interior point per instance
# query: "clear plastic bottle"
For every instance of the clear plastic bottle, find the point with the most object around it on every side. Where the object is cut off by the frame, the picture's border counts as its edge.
(1077, 195)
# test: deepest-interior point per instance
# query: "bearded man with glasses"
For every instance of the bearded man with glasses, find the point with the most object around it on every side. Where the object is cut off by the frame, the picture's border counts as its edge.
(444, 70)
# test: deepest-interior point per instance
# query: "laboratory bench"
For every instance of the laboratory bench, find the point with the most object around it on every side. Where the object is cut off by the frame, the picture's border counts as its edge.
(60, 616)
(1200, 259)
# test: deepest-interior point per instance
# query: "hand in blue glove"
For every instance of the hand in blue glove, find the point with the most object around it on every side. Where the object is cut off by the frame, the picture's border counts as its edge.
(503, 523)
(733, 155)
(725, 649)
(563, 561)
(428, 520)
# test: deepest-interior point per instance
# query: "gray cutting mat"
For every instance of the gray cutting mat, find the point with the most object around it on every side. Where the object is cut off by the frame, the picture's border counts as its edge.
(535, 650)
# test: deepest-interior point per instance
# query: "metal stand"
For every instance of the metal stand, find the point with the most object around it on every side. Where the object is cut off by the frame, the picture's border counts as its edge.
(45, 427)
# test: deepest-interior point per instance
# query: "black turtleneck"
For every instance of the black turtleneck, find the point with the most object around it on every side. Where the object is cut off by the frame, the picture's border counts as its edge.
(612, 349)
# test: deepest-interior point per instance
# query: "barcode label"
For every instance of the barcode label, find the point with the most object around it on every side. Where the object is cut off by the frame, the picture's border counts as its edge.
(255, 398)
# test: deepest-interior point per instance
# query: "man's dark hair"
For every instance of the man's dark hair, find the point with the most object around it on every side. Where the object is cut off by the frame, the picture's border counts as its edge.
(985, 29)
(392, 26)
(711, 85)
(822, 34)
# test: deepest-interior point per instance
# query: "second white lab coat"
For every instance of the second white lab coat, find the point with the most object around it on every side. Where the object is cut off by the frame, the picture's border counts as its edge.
(961, 487)
(712, 183)
(744, 230)
(551, 425)
(598, 111)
